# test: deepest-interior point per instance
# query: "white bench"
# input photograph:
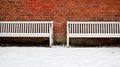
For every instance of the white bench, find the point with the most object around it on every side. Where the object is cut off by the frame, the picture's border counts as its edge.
(92, 30)
(27, 29)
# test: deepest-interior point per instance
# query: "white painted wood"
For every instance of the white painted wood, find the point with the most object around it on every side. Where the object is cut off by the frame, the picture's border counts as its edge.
(51, 36)
(81, 28)
(36, 28)
(1, 25)
(72, 29)
(95, 29)
(68, 29)
(27, 29)
(117, 28)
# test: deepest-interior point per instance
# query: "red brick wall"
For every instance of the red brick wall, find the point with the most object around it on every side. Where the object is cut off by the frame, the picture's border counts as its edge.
(60, 11)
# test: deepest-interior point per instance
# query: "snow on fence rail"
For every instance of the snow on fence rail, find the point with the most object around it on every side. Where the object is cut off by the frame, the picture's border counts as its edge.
(93, 29)
(27, 29)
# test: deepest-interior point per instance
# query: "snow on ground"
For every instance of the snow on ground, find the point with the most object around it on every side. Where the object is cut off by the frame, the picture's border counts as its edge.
(59, 57)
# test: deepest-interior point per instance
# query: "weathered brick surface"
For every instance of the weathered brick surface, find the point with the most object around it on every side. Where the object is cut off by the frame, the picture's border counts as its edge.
(60, 11)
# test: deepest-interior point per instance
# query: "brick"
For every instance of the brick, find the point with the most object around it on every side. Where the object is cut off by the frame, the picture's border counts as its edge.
(60, 11)
(70, 4)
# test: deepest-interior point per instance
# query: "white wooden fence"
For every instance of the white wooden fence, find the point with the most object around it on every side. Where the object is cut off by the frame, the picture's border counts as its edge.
(27, 29)
(93, 30)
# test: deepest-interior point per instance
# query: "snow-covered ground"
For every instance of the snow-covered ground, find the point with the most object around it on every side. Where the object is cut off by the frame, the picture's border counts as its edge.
(59, 57)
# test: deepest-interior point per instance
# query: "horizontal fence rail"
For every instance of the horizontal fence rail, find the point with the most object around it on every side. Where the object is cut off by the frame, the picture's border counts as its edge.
(94, 27)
